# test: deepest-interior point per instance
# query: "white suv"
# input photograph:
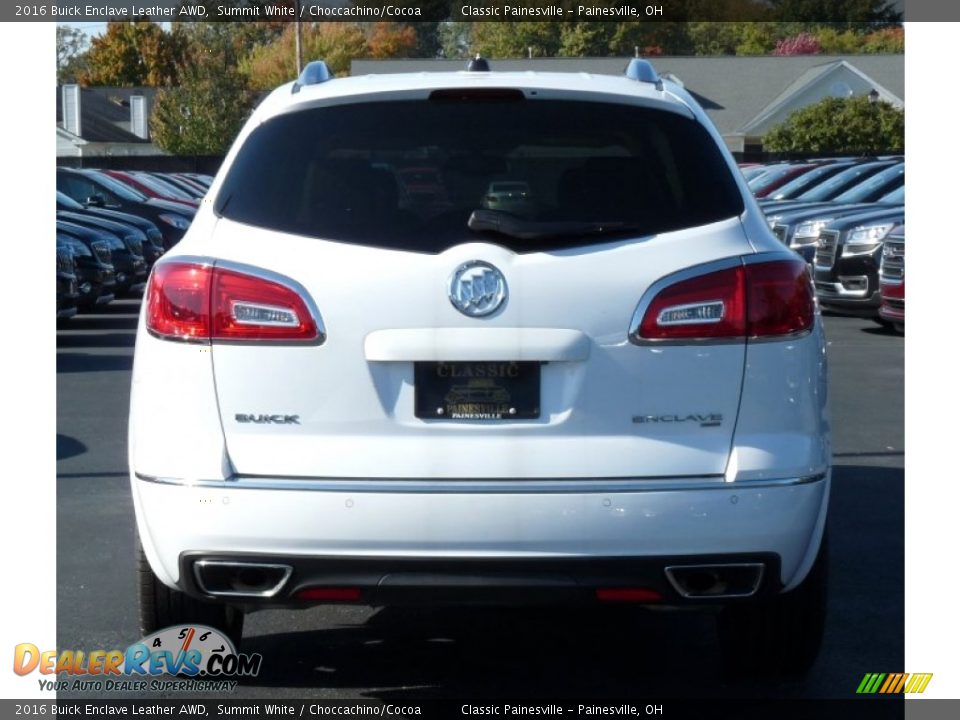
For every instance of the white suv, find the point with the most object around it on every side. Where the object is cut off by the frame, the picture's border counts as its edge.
(347, 392)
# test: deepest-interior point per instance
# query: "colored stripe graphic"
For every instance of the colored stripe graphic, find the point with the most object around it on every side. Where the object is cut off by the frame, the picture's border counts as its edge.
(875, 685)
(893, 683)
(899, 687)
(923, 679)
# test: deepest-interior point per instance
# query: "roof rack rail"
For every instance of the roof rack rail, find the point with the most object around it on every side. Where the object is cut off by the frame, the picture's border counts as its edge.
(478, 64)
(314, 73)
(642, 71)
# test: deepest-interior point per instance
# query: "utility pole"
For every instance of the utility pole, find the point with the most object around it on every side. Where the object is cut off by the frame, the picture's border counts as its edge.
(299, 41)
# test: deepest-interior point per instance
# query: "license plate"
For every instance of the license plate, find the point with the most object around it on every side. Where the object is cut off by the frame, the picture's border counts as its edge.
(477, 390)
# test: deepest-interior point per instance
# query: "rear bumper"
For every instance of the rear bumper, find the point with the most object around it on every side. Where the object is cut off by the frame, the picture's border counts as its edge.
(514, 581)
(553, 534)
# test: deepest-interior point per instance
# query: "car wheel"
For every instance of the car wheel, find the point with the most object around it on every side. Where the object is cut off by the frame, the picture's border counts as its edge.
(899, 327)
(161, 607)
(781, 636)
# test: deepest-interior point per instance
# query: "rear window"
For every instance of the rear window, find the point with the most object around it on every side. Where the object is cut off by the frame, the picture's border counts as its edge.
(409, 174)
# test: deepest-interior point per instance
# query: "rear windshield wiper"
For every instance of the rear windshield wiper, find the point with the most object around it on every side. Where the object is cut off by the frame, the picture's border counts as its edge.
(512, 226)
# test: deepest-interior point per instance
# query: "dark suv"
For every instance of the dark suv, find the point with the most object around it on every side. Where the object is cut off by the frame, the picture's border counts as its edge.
(95, 189)
(846, 264)
(152, 245)
(91, 257)
(67, 292)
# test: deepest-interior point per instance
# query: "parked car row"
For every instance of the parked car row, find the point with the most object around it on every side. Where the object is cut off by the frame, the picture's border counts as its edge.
(112, 226)
(836, 213)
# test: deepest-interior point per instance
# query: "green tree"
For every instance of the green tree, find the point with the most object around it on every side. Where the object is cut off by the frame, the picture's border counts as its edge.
(134, 53)
(835, 11)
(839, 41)
(716, 38)
(455, 39)
(72, 44)
(517, 39)
(203, 114)
(586, 39)
(225, 43)
(839, 125)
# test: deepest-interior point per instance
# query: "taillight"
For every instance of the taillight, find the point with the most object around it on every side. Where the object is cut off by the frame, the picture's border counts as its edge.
(756, 300)
(178, 301)
(192, 301)
(780, 298)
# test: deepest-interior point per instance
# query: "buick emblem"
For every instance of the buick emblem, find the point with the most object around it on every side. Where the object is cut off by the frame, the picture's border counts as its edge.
(477, 289)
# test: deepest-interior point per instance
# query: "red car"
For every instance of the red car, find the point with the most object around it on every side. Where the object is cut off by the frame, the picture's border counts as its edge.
(777, 176)
(152, 187)
(892, 279)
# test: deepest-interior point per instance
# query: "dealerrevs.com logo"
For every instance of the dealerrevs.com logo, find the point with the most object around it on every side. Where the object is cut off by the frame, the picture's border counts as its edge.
(201, 657)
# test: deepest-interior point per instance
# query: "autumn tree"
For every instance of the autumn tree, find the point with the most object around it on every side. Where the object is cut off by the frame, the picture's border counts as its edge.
(802, 44)
(428, 35)
(134, 53)
(839, 125)
(886, 40)
(337, 43)
(387, 40)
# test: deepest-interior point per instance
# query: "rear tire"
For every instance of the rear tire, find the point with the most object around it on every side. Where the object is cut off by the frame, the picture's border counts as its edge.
(781, 636)
(162, 607)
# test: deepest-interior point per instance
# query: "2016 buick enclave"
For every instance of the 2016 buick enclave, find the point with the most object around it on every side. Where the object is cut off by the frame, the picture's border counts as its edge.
(618, 395)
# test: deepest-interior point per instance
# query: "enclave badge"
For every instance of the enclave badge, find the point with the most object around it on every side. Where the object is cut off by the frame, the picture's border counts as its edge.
(707, 420)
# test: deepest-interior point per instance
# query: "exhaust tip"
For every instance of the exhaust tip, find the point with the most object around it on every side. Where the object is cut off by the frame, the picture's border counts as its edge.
(229, 578)
(727, 580)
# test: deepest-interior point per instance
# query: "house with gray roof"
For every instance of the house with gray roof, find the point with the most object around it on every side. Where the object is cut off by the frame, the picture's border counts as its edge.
(745, 96)
(104, 121)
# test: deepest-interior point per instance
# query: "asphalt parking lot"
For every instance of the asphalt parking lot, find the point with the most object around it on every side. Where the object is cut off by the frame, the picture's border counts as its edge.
(407, 654)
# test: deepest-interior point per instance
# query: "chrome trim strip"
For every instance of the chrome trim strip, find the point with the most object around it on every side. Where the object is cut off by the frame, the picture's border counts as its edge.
(573, 485)
(837, 290)
(689, 306)
(668, 571)
(199, 564)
